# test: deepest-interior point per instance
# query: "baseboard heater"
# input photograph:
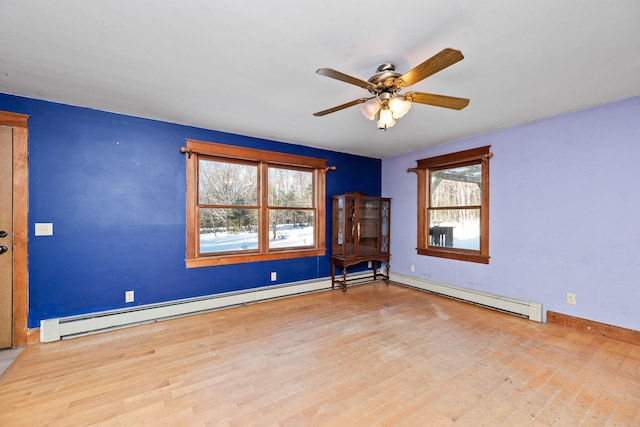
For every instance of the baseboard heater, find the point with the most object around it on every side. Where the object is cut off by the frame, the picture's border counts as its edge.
(74, 326)
(528, 309)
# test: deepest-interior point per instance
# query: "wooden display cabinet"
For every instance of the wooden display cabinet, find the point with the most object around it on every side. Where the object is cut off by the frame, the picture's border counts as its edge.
(359, 233)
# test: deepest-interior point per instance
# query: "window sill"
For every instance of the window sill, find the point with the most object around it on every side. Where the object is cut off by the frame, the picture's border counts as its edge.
(214, 260)
(459, 254)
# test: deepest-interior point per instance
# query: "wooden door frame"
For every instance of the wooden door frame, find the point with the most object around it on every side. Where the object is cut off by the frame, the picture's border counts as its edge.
(20, 223)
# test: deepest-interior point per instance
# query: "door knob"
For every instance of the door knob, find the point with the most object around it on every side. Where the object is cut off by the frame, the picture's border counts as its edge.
(3, 233)
(3, 249)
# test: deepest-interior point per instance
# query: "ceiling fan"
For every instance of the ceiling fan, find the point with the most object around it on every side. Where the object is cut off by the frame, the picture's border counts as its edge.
(387, 103)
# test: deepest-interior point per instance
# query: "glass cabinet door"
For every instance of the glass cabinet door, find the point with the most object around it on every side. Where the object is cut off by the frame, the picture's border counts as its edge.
(368, 227)
(343, 227)
(384, 226)
(337, 227)
(350, 226)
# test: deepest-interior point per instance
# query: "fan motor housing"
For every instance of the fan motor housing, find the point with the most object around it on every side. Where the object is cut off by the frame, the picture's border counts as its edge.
(384, 79)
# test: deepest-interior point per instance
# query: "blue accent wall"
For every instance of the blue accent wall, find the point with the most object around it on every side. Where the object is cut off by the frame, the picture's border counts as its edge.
(114, 188)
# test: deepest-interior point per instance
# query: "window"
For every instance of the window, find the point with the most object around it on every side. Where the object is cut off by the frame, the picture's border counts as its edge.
(246, 205)
(453, 205)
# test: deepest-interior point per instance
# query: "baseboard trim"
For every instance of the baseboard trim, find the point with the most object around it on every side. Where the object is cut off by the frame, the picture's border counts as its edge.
(617, 333)
(33, 336)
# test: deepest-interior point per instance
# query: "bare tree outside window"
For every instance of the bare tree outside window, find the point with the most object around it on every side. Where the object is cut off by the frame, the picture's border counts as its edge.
(223, 186)
(290, 207)
(456, 198)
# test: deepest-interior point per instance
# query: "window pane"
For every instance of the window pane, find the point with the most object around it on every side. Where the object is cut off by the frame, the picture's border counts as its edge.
(227, 184)
(225, 230)
(457, 186)
(290, 228)
(455, 228)
(290, 188)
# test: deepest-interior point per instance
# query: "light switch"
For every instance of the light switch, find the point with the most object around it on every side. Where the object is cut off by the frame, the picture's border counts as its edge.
(44, 229)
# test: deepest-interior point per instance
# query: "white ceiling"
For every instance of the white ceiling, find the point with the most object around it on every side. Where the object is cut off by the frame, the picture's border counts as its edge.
(248, 67)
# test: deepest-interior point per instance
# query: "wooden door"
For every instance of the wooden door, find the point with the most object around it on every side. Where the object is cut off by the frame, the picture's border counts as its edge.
(6, 237)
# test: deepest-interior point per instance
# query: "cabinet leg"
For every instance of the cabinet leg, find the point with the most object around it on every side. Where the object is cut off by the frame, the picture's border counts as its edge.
(344, 279)
(387, 273)
(333, 276)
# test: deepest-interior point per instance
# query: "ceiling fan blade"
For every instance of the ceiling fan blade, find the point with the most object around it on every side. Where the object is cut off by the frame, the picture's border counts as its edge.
(438, 62)
(329, 72)
(341, 107)
(437, 100)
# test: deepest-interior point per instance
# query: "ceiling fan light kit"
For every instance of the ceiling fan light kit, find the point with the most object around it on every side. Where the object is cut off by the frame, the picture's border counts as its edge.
(370, 108)
(385, 119)
(400, 106)
(388, 109)
(387, 103)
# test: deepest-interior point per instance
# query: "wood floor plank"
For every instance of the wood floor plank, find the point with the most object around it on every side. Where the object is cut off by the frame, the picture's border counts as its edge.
(376, 356)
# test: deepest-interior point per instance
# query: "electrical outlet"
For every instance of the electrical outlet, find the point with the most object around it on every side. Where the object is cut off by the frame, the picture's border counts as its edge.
(412, 268)
(129, 296)
(43, 229)
(273, 276)
(571, 298)
(369, 264)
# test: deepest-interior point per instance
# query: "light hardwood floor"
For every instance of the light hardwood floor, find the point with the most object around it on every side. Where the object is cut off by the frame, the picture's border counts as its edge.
(379, 355)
